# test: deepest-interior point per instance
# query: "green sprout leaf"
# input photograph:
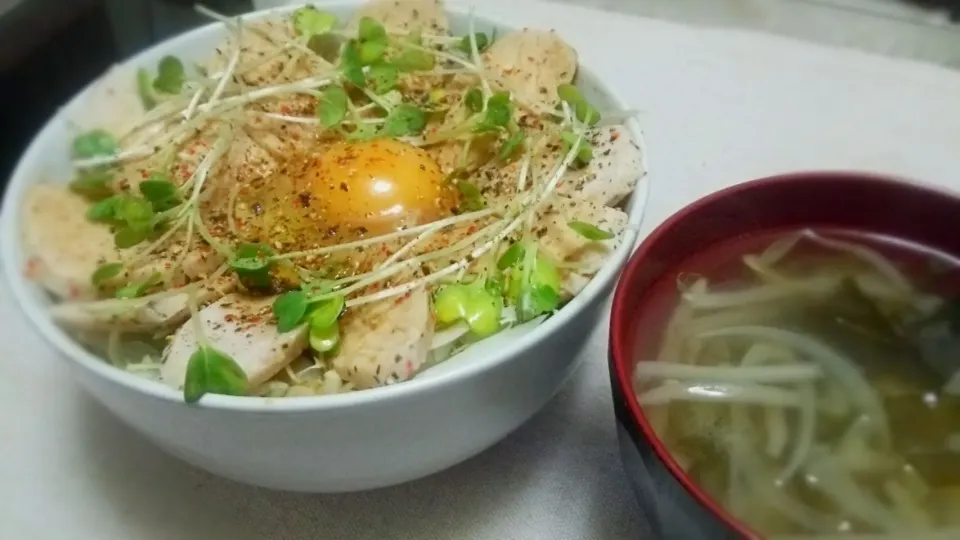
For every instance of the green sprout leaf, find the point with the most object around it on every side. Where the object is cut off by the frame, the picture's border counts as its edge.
(383, 77)
(584, 111)
(326, 312)
(94, 184)
(414, 60)
(324, 339)
(511, 145)
(350, 64)
(93, 144)
(482, 43)
(363, 132)
(472, 303)
(590, 232)
(170, 75)
(127, 237)
(373, 41)
(474, 100)
(210, 371)
(533, 283)
(105, 210)
(290, 308)
(404, 120)
(471, 199)
(333, 106)
(145, 89)
(310, 21)
(136, 290)
(584, 150)
(105, 272)
(498, 115)
(252, 263)
(160, 191)
(511, 256)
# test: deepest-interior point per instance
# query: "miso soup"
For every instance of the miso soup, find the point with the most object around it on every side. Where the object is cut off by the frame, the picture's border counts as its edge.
(809, 381)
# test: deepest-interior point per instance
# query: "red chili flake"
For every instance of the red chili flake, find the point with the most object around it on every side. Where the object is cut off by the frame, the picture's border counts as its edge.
(472, 229)
(409, 368)
(74, 291)
(32, 269)
(144, 174)
(614, 136)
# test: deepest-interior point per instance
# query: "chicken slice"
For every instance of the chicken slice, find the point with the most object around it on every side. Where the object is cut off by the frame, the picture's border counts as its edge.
(429, 16)
(614, 171)
(63, 247)
(532, 63)
(241, 327)
(578, 254)
(154, 312)
(385, 342)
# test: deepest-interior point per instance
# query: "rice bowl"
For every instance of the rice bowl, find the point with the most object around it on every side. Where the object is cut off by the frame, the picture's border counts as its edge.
(527, 365)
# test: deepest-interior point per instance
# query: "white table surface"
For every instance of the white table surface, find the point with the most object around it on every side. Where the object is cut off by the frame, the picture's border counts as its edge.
(718, 106)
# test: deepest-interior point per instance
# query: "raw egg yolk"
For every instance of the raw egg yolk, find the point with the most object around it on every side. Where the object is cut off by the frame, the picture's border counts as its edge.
(378, 186)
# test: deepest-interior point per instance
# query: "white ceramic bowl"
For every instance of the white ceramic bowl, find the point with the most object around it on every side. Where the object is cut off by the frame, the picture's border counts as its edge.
(345, 442)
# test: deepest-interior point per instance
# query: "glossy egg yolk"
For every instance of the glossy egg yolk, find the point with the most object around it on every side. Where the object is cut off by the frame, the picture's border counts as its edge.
(378, 186)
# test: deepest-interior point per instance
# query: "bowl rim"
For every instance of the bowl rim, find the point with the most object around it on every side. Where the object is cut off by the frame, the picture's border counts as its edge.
(11, 254)
(620, 320)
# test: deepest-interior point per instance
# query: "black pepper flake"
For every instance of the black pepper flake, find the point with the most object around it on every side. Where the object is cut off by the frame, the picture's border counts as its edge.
(343, 186)
(397, 359)
(304, 197)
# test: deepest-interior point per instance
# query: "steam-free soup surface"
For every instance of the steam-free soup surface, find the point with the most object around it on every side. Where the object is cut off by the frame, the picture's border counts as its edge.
(809, 382)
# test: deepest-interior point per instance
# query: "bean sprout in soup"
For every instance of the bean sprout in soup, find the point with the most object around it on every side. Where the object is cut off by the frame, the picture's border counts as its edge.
(326, 206)
(810, 383)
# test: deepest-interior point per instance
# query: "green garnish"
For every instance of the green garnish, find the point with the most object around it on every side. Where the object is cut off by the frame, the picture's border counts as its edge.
(170, 75)
(350, 64)
(498, 115)
(290, 308)
(309, 21)
(383, 77)
(584, 150)
(584, 111)
(105, 210)
(136, 290)
(471, 199)
(326, 312)
(482, 43)
(373, 41)
(252, 263)
(94, 143)
(590, 232)
(472, 303)
(93, 184)
(133, 218)
(363, 132)
(160, 191)
(510, 146)
(145, 89)
(105, 272)
(533, 282)
(414, 60)
(474, 100)
(403, 121)
(210, 371)
(333, 106)
(324, 339)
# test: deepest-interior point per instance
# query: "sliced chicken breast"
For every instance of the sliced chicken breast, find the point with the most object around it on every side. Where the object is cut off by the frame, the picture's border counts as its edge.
(532, 63)
(241, 327)
(430, 16)
(150, 313)
(385, 342)
(614, 171)
(63, 248)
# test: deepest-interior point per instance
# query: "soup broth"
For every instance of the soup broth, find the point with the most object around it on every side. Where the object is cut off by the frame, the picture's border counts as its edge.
(809, 381)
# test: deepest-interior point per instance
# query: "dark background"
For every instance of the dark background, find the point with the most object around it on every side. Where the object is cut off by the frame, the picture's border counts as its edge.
(53, 48)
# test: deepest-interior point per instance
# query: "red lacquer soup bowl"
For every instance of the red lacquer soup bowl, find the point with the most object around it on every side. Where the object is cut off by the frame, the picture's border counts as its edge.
(674, 505)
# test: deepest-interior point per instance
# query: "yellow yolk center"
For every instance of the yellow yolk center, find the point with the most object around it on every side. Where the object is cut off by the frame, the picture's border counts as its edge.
(378, 186)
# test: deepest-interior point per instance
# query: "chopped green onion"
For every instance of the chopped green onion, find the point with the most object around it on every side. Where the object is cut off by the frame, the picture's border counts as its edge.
(324, 339)
(472, 303)
(210, 371)
(590, 232)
